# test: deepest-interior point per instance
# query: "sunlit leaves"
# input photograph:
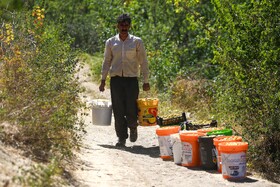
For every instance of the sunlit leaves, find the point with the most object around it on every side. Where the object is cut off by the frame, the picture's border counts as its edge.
(38, 91)
(247, 51)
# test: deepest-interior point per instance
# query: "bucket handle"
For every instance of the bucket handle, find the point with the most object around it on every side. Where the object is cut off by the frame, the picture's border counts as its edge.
(146, 94)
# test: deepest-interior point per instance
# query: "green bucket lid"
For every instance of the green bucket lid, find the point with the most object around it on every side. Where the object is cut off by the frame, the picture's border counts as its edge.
(225, 132)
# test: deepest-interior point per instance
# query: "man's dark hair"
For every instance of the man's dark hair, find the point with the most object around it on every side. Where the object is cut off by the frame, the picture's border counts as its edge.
(124, 18)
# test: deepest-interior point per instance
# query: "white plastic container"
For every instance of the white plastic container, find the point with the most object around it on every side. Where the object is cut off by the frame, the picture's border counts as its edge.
(176, 148)
(101, 112)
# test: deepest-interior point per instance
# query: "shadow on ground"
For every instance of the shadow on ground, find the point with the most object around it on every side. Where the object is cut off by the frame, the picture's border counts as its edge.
(150, 151)
(245, 180)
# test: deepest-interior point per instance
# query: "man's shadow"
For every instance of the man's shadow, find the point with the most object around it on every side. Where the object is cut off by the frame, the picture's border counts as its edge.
(151, 151)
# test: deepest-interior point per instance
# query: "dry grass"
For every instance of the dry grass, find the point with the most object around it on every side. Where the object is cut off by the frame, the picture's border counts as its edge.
(191, 96)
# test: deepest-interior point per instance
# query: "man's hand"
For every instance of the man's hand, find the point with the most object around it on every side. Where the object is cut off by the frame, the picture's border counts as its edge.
(146, 86)
(102, 86)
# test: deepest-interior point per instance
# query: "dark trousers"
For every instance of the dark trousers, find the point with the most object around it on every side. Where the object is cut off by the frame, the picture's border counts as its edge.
(124, 95)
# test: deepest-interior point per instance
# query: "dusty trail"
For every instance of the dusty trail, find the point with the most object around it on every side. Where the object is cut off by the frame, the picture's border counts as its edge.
(100, 163)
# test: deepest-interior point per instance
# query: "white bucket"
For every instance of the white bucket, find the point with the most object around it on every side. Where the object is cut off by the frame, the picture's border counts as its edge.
(101, 112)
(165, 147)
(176, 148)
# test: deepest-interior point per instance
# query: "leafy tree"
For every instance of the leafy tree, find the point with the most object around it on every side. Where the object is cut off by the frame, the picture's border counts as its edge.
(247, 51)
(178, 45)
(11, 4)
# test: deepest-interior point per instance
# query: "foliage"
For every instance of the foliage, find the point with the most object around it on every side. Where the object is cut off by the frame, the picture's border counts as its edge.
(39, 94)
(192, 95)
(9, 5)
(95, 63)
(177, 44)
(219, 55)
(83, 22)
(247, 51)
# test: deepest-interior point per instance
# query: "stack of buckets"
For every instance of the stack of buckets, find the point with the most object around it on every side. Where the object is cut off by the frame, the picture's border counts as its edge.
(209, 148)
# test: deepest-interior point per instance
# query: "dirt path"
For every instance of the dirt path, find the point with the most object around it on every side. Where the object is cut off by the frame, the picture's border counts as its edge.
(100, 163)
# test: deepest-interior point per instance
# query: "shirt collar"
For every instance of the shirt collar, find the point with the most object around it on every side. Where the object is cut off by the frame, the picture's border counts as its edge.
(128, 37)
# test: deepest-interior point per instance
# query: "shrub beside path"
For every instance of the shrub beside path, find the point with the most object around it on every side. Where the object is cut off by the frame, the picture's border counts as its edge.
(100, 163)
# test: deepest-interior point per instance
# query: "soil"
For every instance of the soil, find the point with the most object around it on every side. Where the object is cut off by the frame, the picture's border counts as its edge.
(101, 163)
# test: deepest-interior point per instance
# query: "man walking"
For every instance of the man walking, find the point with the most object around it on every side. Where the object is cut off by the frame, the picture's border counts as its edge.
(124, 58)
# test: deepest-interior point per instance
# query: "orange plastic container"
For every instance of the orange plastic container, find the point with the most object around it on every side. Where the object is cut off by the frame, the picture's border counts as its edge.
(164, 140)
(233, 156)
(219, 140)
(190, 149)
(188, 131)
(193, 131)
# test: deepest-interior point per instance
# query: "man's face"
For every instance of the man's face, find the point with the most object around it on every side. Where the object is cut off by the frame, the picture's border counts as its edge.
(123, 27)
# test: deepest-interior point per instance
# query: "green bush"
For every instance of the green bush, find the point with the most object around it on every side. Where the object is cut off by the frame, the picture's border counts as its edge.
(247, 92)
(39, 94)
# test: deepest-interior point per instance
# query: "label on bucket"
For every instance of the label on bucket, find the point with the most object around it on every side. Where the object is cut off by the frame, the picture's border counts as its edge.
(234, 165)
(187, 151)
(177, 152)
(165, 146)
(147, 111)
(148, 116)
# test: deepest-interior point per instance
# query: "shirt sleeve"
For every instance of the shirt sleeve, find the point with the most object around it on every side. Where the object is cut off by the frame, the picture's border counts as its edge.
(107, 60)
(143, 62)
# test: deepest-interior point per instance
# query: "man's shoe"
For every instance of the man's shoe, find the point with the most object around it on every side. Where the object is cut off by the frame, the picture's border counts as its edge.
(121, 143)
(133, 134)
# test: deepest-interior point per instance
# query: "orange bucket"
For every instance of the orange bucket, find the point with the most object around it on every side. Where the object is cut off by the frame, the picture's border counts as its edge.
(219, 140)
(193, 131)
(190, 149)
(164, 140)
(233, 156)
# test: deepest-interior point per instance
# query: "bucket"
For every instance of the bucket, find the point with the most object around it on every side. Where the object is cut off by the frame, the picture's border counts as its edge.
(188, 131)
(219, 140)
(164, 140)
(101, 112)
(192, 131)
(190, 149)
(207, 154)
(147, 111)
(176, 148)
(224, 132)
(233, 159)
